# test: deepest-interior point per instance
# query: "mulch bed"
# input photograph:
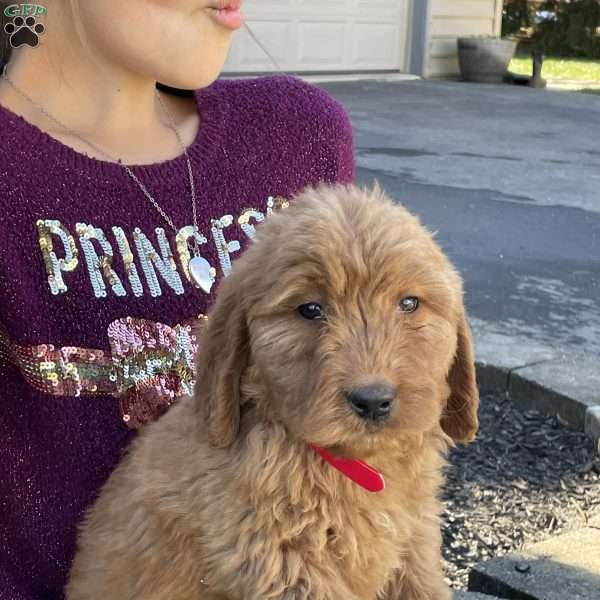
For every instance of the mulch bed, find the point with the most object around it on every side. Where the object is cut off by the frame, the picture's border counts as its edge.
(526, 478)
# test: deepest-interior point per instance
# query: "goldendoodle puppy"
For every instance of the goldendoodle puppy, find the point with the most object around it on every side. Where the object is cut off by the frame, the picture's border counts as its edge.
(335, 369)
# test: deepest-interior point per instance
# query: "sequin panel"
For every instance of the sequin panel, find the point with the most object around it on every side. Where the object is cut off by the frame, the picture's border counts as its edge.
(156, 366)
(148, 367)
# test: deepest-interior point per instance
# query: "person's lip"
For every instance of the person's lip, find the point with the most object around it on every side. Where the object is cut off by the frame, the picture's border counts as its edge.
(226, 4)
(227, 13)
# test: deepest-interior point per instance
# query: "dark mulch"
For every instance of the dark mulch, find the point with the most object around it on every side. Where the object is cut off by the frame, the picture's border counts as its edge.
(526, 478)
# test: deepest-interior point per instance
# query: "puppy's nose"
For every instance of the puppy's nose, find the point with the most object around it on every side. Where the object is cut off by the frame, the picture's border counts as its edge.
(372, 402)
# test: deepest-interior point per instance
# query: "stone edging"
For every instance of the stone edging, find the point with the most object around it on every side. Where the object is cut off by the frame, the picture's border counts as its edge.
(528, 394)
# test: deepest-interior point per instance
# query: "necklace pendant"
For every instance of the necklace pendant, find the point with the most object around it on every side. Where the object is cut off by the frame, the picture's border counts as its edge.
(202, 274)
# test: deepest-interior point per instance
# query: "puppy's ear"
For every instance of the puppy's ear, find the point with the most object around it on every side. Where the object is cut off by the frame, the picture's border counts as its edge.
(459, 419)
(222, 358)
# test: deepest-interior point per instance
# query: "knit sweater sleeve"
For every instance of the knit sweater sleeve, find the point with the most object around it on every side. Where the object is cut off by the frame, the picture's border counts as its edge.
(328, 131)
(337, 138)
(302, 129)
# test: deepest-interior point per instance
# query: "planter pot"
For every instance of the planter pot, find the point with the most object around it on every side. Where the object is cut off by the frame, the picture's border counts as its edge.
(485, 60)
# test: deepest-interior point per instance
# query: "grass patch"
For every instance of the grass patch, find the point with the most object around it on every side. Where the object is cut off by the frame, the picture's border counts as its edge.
(576, 69)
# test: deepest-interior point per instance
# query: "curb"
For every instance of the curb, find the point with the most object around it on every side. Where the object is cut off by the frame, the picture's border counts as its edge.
(563, 567)
(529, 394)
(473, 596)
(592, 423)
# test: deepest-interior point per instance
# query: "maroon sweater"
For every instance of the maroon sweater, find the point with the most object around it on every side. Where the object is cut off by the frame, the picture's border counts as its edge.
(95, 298)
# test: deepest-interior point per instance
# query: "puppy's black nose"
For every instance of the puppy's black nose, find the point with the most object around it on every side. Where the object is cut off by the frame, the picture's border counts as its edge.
(372, 402)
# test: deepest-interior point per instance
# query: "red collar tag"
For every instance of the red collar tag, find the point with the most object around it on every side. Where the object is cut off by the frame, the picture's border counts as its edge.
(360, 472)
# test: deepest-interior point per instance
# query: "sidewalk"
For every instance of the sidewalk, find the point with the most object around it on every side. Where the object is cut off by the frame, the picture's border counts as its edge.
(592, 86)
(510, 177)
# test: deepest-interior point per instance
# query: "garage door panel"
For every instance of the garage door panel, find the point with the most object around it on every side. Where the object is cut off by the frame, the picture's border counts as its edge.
(321, 43)
(375, 44)
(263, 7)
(277, 36)
(335, 35)
(390, 8)
(335, 7)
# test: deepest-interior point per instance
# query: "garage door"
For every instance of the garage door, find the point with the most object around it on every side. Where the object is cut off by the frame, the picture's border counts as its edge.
(322, 36)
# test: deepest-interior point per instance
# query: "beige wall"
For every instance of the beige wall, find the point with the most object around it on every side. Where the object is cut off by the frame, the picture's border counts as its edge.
(455, 18)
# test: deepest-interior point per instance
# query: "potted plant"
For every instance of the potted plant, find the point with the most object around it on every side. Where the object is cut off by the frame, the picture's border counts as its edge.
(485, 59)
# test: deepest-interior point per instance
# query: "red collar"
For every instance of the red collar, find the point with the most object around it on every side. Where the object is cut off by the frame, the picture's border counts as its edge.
(360, 472)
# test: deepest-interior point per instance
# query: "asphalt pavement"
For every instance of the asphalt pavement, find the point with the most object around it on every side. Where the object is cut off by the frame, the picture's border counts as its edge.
(509, 177)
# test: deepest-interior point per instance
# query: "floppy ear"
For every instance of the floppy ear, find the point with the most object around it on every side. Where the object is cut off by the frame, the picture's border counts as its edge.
(459, 419)
(222, 358)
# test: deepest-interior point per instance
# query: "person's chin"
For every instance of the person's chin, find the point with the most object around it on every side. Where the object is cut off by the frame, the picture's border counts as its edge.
(194, 74)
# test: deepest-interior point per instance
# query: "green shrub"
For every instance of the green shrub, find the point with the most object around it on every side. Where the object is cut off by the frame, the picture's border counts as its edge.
(574, 32)
(517, 16)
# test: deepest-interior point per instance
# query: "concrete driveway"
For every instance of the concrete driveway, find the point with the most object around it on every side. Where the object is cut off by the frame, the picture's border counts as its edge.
(510, 177)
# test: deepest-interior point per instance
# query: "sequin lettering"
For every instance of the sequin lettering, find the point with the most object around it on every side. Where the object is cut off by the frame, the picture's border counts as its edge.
(127, 256)
(244, 221)
(224, 248)
(155, 258)
(47, 229)
(186, 236)
(164, 262)
(99, 265)
(276, 203)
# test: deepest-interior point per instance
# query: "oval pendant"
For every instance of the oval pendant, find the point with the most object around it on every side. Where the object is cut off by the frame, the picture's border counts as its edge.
(202, 274)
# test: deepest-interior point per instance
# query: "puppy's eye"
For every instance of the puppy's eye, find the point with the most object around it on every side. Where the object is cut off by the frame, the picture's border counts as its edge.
(312, 311)
(409, 304)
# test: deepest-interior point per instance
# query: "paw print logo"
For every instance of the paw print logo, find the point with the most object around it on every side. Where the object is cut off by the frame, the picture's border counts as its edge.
(24, 31)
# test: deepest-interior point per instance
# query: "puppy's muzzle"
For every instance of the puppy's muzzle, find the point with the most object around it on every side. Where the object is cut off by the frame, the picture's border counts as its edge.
(372, 402)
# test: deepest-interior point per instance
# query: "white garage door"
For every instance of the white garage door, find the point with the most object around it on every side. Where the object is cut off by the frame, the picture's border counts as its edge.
(322, 36)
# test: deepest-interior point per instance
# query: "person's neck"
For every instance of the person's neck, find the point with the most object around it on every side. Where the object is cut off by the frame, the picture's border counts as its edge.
(107, 106)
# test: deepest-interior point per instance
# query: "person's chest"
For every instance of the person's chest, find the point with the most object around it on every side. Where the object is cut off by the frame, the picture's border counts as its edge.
(98, 296)
(77, 259)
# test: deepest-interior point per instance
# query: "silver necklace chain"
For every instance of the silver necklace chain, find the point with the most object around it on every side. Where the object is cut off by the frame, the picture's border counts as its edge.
(163, 214)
